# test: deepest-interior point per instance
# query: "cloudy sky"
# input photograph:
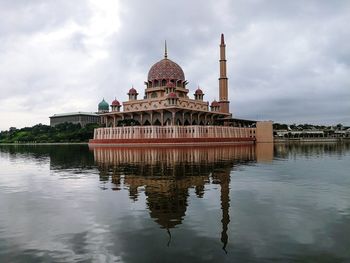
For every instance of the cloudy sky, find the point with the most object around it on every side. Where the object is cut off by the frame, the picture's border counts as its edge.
(288, 61)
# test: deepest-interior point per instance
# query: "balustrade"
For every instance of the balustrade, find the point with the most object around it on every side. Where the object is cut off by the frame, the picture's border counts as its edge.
(170, 132)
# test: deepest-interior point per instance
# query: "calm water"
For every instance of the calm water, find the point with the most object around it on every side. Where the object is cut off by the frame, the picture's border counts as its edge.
(227, 204)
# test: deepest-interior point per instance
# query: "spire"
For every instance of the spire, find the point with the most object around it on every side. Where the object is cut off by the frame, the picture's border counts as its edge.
(222, 39)
(165, 51)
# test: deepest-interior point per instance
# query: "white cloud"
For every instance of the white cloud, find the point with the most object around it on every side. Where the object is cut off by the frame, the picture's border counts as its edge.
(286, 62)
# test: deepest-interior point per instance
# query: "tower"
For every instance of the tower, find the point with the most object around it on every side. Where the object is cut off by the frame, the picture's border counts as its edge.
(132, 94)
(223, 81)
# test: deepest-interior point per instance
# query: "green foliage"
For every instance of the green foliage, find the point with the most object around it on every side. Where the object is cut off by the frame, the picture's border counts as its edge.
(65, 132)
(301, 127)
(279, 126)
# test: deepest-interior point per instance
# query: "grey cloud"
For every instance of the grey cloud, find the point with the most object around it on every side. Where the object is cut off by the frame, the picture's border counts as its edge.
(28, 17)
(287, 61)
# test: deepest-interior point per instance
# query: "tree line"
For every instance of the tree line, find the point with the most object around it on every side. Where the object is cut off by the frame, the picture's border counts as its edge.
(40, 133)
(294, 127)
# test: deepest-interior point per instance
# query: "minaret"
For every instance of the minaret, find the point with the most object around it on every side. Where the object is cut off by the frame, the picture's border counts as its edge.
(223, 81)
(225, 205)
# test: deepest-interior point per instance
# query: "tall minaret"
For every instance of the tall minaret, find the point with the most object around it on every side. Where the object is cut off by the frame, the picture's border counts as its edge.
(223, 81)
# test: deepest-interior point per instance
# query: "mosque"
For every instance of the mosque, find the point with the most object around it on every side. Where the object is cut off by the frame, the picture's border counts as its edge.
(167, 113)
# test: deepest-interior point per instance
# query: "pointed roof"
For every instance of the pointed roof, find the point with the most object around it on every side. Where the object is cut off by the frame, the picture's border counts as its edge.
(214, 104)
(132, 90)
(115, 103)
(198, 91)
(222, 39)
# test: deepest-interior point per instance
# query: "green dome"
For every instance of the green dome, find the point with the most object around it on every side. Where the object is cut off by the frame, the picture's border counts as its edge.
(103, 106)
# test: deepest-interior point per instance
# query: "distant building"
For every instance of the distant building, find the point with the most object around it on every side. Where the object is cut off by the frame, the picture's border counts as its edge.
(82, 118)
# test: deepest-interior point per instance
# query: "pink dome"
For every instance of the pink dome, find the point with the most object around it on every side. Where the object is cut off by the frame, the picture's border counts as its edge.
(166, 69)
(115, 103)
(132, 91)
(215, 104)
(198, 91)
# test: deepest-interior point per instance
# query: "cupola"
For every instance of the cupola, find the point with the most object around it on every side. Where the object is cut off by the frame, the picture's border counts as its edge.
(132, 94)
(115, 105)
(103, 106)
(198, 95)
(215, 106)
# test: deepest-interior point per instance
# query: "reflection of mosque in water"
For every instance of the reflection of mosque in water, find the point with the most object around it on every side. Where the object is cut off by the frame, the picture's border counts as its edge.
(166, 175)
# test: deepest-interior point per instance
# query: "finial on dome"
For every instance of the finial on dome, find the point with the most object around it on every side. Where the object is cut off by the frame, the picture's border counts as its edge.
(165, 51)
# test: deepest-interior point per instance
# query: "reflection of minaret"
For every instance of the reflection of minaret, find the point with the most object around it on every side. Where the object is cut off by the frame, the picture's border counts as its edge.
(223, 83)
(223, 178)
(225, 205)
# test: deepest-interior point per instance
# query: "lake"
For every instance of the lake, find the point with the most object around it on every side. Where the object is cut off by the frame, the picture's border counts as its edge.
(244, 203)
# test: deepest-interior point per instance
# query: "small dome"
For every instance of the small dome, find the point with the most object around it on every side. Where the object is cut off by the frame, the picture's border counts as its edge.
(198, 91)
(132, 91)
(172, 95)
(215, 104)
(103, 106)
(115, 103)
(166, 69)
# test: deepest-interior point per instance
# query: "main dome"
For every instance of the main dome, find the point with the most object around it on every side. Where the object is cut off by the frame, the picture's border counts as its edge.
(166, 69)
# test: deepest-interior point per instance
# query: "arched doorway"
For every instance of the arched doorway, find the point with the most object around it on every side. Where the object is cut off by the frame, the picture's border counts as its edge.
(157, 122)
(167, 121)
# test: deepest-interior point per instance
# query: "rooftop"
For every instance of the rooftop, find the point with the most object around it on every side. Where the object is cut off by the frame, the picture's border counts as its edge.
(74, 114)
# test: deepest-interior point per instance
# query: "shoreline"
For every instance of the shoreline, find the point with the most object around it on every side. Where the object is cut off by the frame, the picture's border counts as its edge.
(312, 140)
(45, 143)
(275, 141)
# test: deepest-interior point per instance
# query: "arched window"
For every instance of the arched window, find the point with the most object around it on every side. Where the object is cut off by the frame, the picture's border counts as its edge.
(163, 82)
(154, 95)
